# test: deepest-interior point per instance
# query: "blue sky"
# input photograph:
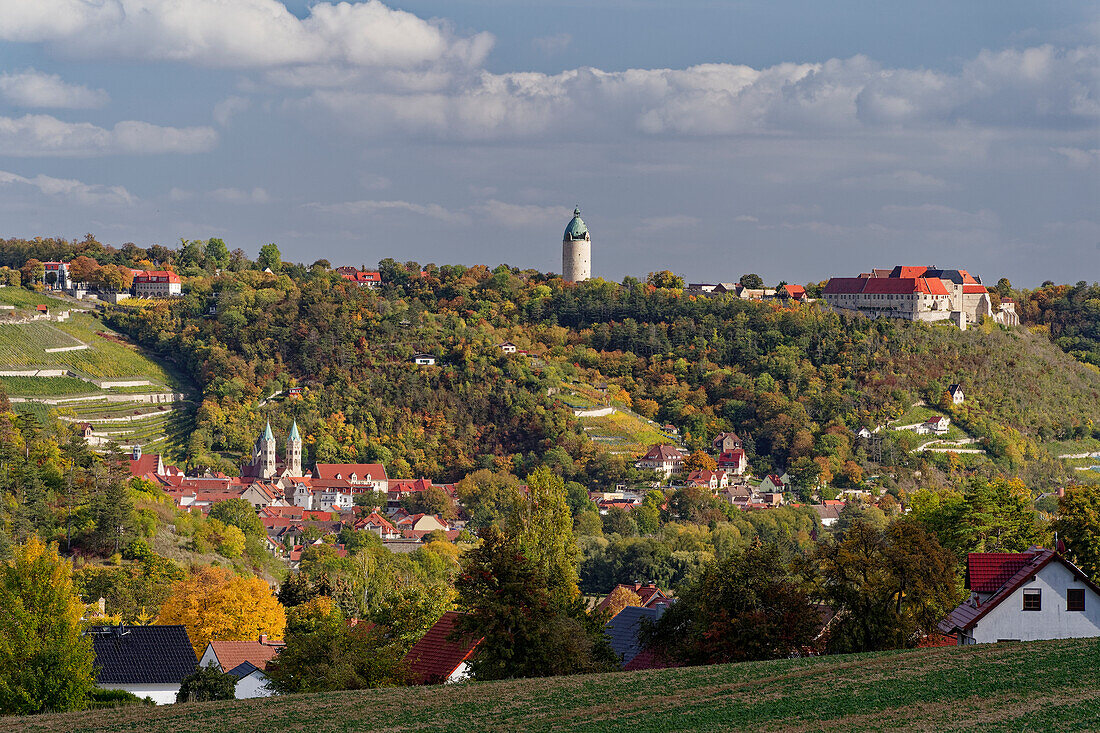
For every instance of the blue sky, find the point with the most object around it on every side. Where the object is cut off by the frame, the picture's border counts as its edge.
(795, 139)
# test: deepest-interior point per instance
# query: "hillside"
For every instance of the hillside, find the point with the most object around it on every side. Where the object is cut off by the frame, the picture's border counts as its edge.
(85, 372)
(1032, 686)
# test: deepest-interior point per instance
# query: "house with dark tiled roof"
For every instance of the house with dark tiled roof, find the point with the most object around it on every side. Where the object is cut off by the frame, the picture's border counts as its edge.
(246, 661)
(623, 634)
(664, 460)
(956, 392)
(436, 658)
(149, 661)
(1024, 596)
(726, 442)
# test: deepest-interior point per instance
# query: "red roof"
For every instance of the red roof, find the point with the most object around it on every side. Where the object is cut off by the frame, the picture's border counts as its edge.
(145, 276)
(974, 288)
(649, 593)
(360, 276)
(737, 455)
(146, 464)
(232, 653)
(330, 470)
(885, 286)
(434, 658)
(795, 291)
(663, 452)
(908, 271)
(988, 571)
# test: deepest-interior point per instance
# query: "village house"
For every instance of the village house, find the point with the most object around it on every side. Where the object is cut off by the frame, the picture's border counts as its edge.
(649, 593)
(828, 511)
(423, 359)
(1024, 596)
(246, 661)
(623, 634)
(713, 480)
(773, 484)
(363, 278)
(369, 476)
(664, 460)
(794, 293)
(956, 392)
(724, 442)
(733, 461)
(436, 658)
(156, 284)
(148, 661)
(507, 347)
(938, 425)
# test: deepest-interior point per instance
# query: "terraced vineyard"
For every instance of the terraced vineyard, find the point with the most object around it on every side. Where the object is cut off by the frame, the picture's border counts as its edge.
(145, 408)
(1046, 685)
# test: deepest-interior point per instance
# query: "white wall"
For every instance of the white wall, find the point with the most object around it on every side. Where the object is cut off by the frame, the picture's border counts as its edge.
(163, 694)
(1009, 621)
(253, 685)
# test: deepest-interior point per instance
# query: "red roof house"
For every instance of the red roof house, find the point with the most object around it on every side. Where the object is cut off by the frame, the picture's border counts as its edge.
(436, 659)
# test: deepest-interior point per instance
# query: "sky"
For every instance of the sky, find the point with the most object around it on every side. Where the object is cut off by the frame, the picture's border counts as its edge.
(797, 140)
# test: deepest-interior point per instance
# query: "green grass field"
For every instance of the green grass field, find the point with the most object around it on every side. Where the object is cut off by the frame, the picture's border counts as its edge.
(629, 433)
(45, 386)
(994, 687)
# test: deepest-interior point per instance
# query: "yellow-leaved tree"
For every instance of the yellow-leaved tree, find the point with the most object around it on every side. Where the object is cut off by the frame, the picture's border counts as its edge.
(619, 599)
(214, 604)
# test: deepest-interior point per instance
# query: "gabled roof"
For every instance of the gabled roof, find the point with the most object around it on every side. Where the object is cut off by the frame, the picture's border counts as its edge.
(1001, 574)
(231, 654)
(622, 631)
(663, 452)
(722, 436)
(435, 657)
(908, 271)
(649, 593)
(142, 654)
(242, 670)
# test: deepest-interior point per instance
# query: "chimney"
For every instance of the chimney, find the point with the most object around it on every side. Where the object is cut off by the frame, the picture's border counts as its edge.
(263, 638)
(660, 607)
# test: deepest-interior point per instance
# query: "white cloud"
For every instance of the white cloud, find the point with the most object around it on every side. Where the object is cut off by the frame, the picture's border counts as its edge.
(522, 215)
(239, 196)
(228, 108)
(239, 33)
(1078, 158)
(32, 88)
(72, 190)
(1041, 86)
(354, 208)
(43, 135)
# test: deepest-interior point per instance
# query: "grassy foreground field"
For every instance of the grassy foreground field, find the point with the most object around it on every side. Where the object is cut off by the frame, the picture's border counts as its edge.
(1019, 687)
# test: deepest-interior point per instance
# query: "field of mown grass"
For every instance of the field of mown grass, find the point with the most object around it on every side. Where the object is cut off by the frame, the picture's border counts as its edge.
(1004, 687)
(45, 386)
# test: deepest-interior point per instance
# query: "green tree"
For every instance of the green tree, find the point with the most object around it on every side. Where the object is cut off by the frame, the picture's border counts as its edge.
(207, 683)
(240, 514)
(216, 254)
(270, 258)
(543, 525)
(525, 629)
(112, 512)
(889, 586)
(45, 663)
(1078, 525)
(747, 606)
(488, 496)
(666, 279)
(323, 652)
(752, 281)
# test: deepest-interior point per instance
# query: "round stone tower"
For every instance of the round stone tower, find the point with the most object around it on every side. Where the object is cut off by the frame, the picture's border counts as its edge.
(576, 250)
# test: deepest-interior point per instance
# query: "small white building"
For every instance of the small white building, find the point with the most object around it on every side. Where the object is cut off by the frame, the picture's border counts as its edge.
(246, 661)
(1025, 596)
(956, 392)
(423, 359)
(508, 347)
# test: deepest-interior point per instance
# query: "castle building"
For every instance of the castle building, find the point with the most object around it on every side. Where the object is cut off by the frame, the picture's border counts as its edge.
(576, 250)
(912, 293)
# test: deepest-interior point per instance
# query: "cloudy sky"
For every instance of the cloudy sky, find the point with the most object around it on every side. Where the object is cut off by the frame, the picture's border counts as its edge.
(711, 137)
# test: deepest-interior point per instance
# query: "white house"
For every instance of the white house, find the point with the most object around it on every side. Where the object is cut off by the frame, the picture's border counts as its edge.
(664, 460)
(735, 461)
(423, 359)
(246, 661)
(508, 347)
(956, 392)
(1024, 596)
(149, 661)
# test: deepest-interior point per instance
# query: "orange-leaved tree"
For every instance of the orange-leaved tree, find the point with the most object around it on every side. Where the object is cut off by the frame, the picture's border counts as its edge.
(619, 599)
(214, 604)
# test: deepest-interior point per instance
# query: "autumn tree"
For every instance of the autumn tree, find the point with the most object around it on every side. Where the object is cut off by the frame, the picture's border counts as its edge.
(1078, 525)
(270, 258)
(620, 598)
(748, 606)
(543, 526)
(240, 514)
(488, 496)
(700, 461)
(213, 603)
(890, 587)
(45, 663)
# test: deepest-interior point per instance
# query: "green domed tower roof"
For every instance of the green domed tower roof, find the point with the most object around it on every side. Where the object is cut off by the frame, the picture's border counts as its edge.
(576, 228)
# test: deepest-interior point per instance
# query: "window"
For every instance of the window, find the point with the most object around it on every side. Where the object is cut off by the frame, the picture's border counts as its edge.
(1033, 599)
(1075, 599)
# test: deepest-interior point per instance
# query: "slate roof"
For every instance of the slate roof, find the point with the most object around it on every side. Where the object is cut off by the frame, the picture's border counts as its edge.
(622, 632)
(243, 669)
(142, 654)
(662, 453)
(435, 657)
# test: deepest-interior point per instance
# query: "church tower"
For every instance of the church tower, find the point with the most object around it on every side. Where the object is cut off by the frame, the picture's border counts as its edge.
(294, 451)
(576, 250)
(263, 454)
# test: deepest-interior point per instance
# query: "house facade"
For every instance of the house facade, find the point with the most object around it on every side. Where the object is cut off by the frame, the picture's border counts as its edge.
(156, 284)
(664, 460)
(1024, 596)
(914, 293)
(149, 661)
(246, 661)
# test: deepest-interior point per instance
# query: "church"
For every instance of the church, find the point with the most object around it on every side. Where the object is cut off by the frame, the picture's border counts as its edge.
(265, 465)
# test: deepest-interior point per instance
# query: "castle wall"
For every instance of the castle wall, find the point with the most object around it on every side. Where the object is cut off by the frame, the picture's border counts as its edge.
(576, 260)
